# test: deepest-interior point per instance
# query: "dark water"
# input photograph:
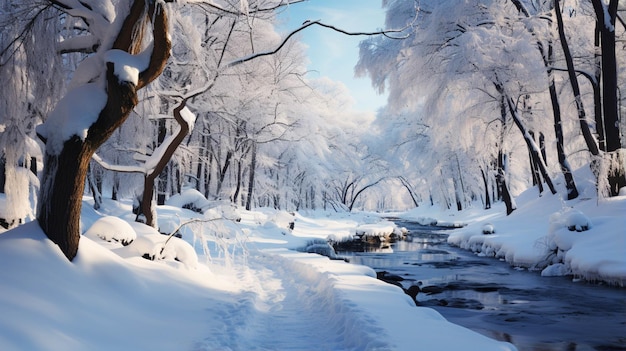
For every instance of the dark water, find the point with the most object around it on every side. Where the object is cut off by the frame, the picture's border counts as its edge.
(488, 296)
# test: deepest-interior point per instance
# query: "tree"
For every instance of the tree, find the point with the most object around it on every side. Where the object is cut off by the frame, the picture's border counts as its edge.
(444, 74)
(110, 93)
(34, 80)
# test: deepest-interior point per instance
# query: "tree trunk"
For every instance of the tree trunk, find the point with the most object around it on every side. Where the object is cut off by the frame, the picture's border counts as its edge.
(239, 180)
(597, 94)
(582, 117)
(251, 178)
(506, 195)
(530, 143)
(64, 173)
(532, 146)
(410, 190)
(487, 199)
(97, 195)
(548, 61)
(62, 193)
(570, 184)
(610, 118)
(147, 205)
(534, 167)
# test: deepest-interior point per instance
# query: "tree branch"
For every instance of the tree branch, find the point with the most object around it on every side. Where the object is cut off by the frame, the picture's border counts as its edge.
(307, 24)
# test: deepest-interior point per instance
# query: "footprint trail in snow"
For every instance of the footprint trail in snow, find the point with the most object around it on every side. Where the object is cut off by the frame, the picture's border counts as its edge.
(288, 305)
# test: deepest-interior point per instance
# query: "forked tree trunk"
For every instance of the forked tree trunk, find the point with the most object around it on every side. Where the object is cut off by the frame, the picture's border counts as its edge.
(64, 173)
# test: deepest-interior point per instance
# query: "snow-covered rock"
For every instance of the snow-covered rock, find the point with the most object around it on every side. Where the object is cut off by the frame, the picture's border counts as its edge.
(488, 228)
(556, 270)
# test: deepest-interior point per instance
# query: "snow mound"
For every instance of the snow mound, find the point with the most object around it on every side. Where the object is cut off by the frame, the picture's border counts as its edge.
(376, 229)
(158, 247)
(283, 219)
(556, 270)
(112, 229)
(572, 219)
(320, 247)
(489, 228)
(190, 199)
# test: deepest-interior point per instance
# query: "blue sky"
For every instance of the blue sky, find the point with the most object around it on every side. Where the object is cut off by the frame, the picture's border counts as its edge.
(333, 54)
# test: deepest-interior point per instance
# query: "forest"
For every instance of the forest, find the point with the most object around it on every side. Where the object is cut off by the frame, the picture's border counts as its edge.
(144, 99)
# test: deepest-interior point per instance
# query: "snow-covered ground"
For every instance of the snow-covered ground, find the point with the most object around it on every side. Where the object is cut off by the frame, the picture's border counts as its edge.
(248, 288)
(246, 283)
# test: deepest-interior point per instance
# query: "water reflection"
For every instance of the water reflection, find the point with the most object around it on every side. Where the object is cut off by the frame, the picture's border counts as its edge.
(488, 296)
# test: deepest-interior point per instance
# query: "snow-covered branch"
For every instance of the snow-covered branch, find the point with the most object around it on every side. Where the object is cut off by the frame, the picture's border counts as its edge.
(117, 168)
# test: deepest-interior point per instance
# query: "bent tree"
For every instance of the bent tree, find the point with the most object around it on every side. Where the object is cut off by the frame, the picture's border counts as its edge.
(115, 79)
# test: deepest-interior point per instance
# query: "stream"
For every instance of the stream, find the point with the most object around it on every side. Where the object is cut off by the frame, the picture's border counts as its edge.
(490, 297)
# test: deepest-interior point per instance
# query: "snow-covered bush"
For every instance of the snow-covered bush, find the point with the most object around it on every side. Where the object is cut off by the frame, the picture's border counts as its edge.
(112, 229)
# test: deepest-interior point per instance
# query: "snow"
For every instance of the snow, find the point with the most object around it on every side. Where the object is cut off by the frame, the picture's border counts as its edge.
(73, 115)
(189, 118)
(191, 199)
(252, 289)
(582, 238)
(111, 228)
(252, 280)
(126, 66)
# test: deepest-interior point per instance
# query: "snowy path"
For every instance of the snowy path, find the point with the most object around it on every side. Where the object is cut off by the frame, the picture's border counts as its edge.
(289, 305)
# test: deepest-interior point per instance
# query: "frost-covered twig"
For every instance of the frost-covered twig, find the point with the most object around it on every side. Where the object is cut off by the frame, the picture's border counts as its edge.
(191, 221)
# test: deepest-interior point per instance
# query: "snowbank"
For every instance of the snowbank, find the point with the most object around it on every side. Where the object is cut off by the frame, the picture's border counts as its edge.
(583, 238)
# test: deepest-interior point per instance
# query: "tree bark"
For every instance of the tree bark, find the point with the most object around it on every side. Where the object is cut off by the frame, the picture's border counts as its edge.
(146, 210)
(251, 177)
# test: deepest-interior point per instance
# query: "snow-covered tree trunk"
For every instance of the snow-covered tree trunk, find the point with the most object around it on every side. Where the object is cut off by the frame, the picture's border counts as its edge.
(65, 165)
